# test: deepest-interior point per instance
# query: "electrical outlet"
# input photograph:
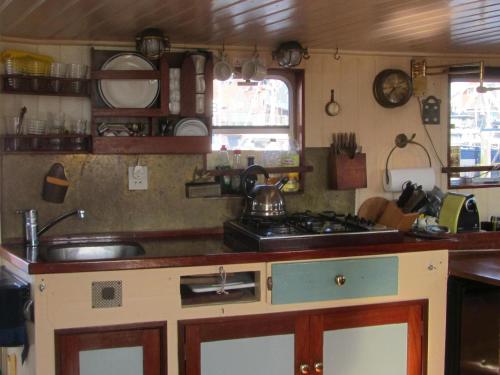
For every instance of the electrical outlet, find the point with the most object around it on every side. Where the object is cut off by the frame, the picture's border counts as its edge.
(138, 178)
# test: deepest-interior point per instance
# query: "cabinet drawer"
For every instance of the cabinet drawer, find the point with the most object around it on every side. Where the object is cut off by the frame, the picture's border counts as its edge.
(316, 281)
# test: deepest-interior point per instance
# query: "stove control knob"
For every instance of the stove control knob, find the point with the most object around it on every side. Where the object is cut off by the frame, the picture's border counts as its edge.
(340, 280)
(304, 369)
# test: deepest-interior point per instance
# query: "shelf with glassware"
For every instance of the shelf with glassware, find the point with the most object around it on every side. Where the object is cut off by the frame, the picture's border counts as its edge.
(296, 176)
(50, 144)
(114, 129)
(43, 85)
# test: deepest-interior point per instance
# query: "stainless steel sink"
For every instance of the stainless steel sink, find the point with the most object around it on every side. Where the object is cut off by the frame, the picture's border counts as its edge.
(91, 251)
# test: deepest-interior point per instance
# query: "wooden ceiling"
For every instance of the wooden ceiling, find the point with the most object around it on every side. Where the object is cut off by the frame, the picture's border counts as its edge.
(430, 26)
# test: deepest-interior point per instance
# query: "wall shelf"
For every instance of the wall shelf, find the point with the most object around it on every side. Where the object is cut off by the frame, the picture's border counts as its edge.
(53, 144)
(277, 170)
(151, 145)
(47, 86)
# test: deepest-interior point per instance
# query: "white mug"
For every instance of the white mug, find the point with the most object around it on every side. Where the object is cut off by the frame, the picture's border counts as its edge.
(199, 63)
(174, 107)
(175, 73)
(200, 103)
(175, 95)
(174, 84)
(223, 70)
(253, 69)
(200, 83)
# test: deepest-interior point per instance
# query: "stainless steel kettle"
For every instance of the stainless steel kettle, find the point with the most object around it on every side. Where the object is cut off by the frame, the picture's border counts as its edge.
(262, 200)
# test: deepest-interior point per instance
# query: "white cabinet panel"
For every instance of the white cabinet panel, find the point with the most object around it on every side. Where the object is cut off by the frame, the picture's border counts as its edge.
(249, 356)
(115, 361)
(375, 350)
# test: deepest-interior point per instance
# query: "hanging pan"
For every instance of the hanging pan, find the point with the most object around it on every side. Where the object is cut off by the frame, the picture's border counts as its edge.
(332, 108)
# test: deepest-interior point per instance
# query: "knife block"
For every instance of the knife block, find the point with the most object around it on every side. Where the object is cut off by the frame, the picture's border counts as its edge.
(393, 217)
(346, 173)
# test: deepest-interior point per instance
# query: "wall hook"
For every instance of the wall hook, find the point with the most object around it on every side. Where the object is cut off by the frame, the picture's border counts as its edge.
(337, 56)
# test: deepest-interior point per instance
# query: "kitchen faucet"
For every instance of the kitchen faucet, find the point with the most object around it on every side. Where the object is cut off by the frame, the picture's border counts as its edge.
(32, 234)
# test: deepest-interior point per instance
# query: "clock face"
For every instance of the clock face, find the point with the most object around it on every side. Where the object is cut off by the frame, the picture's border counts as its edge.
(392, 88)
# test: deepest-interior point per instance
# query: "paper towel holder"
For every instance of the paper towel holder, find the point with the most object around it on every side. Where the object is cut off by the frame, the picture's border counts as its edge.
(401, 141)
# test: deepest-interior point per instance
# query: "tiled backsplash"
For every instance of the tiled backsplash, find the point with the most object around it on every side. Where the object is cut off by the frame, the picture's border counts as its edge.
(99, 184)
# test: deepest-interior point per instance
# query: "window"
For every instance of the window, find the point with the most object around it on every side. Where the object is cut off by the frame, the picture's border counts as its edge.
(256, 116)
(474, 133)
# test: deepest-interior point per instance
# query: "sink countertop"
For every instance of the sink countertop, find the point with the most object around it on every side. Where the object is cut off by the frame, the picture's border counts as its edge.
(205, 247)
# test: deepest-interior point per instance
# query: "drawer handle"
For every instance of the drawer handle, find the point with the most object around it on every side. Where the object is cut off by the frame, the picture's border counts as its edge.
(304, 369)
(340, 280)
(318, 367)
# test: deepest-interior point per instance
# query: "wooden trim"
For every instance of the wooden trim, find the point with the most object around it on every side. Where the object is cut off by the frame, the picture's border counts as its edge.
(164, 85)
(125, 74)
(476, 168)
(218, 254)
(303, 168)
(411, 312)
(151, 336)
(197, 331)
(152, 145)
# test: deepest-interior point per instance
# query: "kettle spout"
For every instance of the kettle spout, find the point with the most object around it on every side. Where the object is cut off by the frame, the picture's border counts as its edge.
(281, 183)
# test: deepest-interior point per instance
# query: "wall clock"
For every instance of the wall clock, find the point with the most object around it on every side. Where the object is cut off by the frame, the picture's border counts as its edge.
(392, 88)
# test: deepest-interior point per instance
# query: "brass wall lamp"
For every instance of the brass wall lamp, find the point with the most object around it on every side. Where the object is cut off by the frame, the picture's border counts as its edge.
(420, 70)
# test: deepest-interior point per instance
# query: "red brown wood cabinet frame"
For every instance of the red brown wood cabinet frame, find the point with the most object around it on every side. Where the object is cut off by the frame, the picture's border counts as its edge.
(308, 328)
(152, 337)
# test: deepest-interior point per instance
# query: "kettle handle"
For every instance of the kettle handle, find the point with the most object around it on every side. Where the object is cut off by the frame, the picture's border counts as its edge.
(253, 169)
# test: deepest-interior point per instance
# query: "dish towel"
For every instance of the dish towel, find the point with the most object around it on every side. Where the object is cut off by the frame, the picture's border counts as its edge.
(17, 336)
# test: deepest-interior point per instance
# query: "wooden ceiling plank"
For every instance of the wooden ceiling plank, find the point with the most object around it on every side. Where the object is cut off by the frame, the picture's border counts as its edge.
(251, 25)
(5, 4)
(174, 12)
(12, 11)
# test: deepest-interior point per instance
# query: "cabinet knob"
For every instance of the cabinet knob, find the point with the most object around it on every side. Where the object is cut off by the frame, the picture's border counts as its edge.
(340, 280)
(318, 367)
(304, 369)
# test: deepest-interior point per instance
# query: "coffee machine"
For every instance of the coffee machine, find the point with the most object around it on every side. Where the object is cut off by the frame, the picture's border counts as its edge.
(459, 213)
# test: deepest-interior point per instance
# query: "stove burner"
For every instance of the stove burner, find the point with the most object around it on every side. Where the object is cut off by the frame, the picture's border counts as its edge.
(304, 230)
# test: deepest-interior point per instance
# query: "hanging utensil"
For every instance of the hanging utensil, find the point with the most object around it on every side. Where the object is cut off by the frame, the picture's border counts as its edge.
(332, 108)
(22, 112)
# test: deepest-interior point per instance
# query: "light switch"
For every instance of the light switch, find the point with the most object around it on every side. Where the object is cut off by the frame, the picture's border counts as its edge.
(138, 177)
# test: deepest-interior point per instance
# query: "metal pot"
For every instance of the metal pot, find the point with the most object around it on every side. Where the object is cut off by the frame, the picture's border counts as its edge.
(262, 200)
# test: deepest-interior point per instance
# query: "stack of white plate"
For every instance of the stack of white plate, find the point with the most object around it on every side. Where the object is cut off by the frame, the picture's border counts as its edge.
(190, 127)
(128, 93)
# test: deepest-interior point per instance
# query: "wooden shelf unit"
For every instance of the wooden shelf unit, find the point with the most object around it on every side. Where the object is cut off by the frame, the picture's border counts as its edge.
(51, 144)
(232, 172)
(151, 143)
(41, 85)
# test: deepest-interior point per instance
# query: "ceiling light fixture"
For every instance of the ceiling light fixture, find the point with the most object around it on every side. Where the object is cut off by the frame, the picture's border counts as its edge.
(290, 54)
(152, 43)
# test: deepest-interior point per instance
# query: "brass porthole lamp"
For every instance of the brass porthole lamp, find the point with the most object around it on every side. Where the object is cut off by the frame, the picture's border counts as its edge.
(420, 70)
(290, 54)
(152, 43)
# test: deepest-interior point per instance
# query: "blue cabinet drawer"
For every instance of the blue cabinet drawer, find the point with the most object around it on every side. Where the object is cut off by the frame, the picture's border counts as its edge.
(316, 281)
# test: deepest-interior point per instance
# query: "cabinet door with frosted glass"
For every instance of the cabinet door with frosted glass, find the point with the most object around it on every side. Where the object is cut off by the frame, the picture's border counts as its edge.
(269, 344)
(382, 339)
(112, 350)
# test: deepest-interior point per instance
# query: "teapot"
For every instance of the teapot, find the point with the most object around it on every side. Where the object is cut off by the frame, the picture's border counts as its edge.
(262, 200)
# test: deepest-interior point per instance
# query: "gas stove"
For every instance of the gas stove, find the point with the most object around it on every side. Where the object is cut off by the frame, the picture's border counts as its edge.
(305, 230)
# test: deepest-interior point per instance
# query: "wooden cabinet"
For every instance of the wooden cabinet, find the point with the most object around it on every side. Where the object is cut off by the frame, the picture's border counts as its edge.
(383, 339)
(152, 140)
(113, 350)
